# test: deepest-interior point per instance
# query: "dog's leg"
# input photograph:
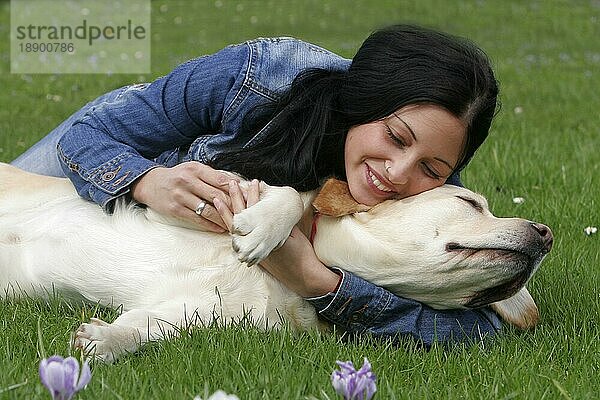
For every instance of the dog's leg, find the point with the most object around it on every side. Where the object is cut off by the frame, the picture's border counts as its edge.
(132, 329)
(265, 226)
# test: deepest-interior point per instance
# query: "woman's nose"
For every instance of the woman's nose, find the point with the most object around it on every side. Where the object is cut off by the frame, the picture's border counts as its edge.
(398, 172)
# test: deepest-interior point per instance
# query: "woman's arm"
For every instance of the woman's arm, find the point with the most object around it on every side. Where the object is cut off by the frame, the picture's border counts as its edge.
(113, 144)
(358, 306)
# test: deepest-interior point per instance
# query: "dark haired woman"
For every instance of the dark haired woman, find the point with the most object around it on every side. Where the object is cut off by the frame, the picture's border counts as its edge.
(405, 115)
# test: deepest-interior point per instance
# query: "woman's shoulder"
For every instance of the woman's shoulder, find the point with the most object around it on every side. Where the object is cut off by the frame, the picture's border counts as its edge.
(287, 45)
(275, 62)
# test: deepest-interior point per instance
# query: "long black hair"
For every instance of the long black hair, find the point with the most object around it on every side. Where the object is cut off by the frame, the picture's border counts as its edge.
(304, 131)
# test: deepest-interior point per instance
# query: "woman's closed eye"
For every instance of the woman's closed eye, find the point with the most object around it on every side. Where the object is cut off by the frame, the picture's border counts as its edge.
(429, 171)
(399, 141)
(396, 139)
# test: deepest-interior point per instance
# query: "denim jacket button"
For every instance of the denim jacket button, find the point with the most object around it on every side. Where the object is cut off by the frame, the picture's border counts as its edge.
(108, 176)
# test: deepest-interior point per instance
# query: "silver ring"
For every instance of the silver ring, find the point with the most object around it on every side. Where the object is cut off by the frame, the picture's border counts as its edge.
(200, 207)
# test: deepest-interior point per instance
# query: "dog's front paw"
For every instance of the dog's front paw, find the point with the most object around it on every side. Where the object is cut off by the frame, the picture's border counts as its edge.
(254, 243)
(103, 341)
(265, 226)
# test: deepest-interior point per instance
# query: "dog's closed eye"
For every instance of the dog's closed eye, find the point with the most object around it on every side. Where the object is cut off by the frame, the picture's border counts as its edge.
(474, 203)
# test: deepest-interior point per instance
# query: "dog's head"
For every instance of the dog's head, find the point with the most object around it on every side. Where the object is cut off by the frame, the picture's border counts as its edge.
(442, 247)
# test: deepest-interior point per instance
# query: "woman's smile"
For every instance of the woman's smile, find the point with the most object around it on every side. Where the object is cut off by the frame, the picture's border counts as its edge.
(377, 183)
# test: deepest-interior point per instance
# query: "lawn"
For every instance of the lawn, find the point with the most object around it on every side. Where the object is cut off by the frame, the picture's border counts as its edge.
(543, 147)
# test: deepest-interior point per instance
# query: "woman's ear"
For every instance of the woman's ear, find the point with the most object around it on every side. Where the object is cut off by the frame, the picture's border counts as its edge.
(334, 199)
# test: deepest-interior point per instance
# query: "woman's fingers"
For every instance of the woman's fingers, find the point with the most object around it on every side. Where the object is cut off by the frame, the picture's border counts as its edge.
(215, 182)
(178, 191)
(240, 200)
(253, 193)
(225, 214)
(202, 222)
(204, 190)
(202, 181)
(237, 198)
(191, 189)
(196, 209)
(209, 213)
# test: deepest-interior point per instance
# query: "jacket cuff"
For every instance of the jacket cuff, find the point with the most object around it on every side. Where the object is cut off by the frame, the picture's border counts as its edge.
(110, 180)
(354, 306)
(117, 174)
(113, 181)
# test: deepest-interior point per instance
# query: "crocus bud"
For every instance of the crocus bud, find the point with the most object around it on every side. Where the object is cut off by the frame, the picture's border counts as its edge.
(61, 376)
(353, 384)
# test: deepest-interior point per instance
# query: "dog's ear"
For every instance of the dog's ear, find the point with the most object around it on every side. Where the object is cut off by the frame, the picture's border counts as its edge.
(334, 199)
(519, 310)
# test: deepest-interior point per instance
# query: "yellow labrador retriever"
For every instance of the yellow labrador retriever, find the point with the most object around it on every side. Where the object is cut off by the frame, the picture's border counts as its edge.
(442, 247)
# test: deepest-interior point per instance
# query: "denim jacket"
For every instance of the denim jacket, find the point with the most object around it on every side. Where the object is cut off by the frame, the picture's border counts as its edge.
(194, 113)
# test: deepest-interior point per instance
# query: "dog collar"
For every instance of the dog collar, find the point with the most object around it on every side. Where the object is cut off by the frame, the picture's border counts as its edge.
(313, 229)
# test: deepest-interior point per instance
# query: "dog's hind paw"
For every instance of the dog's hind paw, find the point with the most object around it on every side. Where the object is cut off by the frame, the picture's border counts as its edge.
(102, 341)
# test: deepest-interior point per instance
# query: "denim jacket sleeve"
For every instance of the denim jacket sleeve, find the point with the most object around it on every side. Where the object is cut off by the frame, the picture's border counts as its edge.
(362, 307)
(116, 141)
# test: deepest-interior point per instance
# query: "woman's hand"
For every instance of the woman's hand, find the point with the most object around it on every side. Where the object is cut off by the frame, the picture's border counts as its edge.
(295, 264)
(178, 191)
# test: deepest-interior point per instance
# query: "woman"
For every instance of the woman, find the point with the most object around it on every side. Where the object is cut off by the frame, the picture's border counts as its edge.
(404, 116)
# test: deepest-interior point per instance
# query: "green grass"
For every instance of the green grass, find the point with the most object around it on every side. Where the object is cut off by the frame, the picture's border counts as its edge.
(547, 57)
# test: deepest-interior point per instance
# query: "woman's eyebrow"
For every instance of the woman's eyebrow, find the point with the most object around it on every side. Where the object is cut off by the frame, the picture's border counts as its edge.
(415, 139)
(407, 126)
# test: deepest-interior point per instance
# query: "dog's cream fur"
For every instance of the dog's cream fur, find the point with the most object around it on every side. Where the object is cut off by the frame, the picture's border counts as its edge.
(435, 247)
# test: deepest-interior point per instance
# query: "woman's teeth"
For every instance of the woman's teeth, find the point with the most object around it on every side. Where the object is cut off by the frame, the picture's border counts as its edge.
(378, 184)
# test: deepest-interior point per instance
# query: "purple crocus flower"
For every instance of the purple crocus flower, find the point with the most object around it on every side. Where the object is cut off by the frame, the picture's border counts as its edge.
(61, 376)
(353, 384)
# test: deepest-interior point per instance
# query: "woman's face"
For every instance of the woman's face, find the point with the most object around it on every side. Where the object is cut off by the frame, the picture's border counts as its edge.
(411, 151)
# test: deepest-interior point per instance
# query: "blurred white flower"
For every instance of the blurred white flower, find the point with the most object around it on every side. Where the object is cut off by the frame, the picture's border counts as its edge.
(590, 230)
(518, 110)
(54, 97)
(219, 395)
(518, 200)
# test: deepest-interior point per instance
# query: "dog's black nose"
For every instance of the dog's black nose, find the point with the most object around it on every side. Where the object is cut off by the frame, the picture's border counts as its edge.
(545, 233)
